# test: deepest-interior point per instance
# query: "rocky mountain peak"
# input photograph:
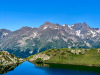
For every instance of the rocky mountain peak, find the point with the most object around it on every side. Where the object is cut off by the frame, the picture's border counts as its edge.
(47, 23)
(26, 28)
(4, 32)
(84, 23)
(50, 24)
(65, 25)
(80, 26)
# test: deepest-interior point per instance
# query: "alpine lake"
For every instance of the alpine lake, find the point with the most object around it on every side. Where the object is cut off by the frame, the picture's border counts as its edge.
(28, 68)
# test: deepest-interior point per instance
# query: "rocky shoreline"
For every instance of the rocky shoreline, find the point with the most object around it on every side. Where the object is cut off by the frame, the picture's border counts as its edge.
(8, 59)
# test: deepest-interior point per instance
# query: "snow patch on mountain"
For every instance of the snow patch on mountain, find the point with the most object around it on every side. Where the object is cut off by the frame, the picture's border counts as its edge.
(78, 33)
(56, 38)
(5, 34)
(70, 27)
(35, 35)
(31, 52)
(56, 28)
(64, 25)
(93, 33)
(45, 28)
(87, 44)
(98, 31)
(66, 40)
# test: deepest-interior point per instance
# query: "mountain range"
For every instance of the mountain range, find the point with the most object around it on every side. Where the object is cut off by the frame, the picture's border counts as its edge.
(29, 40)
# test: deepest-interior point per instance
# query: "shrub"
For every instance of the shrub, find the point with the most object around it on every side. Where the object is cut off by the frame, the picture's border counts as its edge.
(63, 53)
(39, 60)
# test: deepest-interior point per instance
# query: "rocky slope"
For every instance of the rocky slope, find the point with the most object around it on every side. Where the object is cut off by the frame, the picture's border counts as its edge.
(88, 57)
(8, 59)
(28, 40)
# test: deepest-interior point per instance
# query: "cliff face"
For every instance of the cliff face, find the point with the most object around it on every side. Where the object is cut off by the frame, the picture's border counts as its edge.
(41, 56)
(8, 59)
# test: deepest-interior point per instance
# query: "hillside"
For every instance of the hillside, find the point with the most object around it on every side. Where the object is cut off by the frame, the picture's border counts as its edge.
(88, 57)
(29, 40)
(8, 59)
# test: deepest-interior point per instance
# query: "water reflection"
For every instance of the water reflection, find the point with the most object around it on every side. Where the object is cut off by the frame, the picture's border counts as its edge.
(41, 65)
(5, 69)
(70, 67)
(28, 68)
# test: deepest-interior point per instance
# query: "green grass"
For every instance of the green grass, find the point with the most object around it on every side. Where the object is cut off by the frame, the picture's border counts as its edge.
(64, 56)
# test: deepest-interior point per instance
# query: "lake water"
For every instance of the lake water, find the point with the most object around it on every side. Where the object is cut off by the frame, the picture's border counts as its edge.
(27, 68)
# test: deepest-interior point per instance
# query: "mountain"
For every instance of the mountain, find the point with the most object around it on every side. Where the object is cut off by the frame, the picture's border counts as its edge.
(86, 57)
(29, 40)
(4, 33)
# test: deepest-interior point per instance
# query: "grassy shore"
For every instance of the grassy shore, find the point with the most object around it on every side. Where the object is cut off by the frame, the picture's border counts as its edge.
(88, 57)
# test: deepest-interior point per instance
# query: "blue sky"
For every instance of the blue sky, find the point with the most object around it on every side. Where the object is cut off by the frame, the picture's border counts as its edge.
(15, 14)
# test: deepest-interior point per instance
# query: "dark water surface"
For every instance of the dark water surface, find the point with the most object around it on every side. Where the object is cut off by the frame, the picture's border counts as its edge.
(27, 68)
